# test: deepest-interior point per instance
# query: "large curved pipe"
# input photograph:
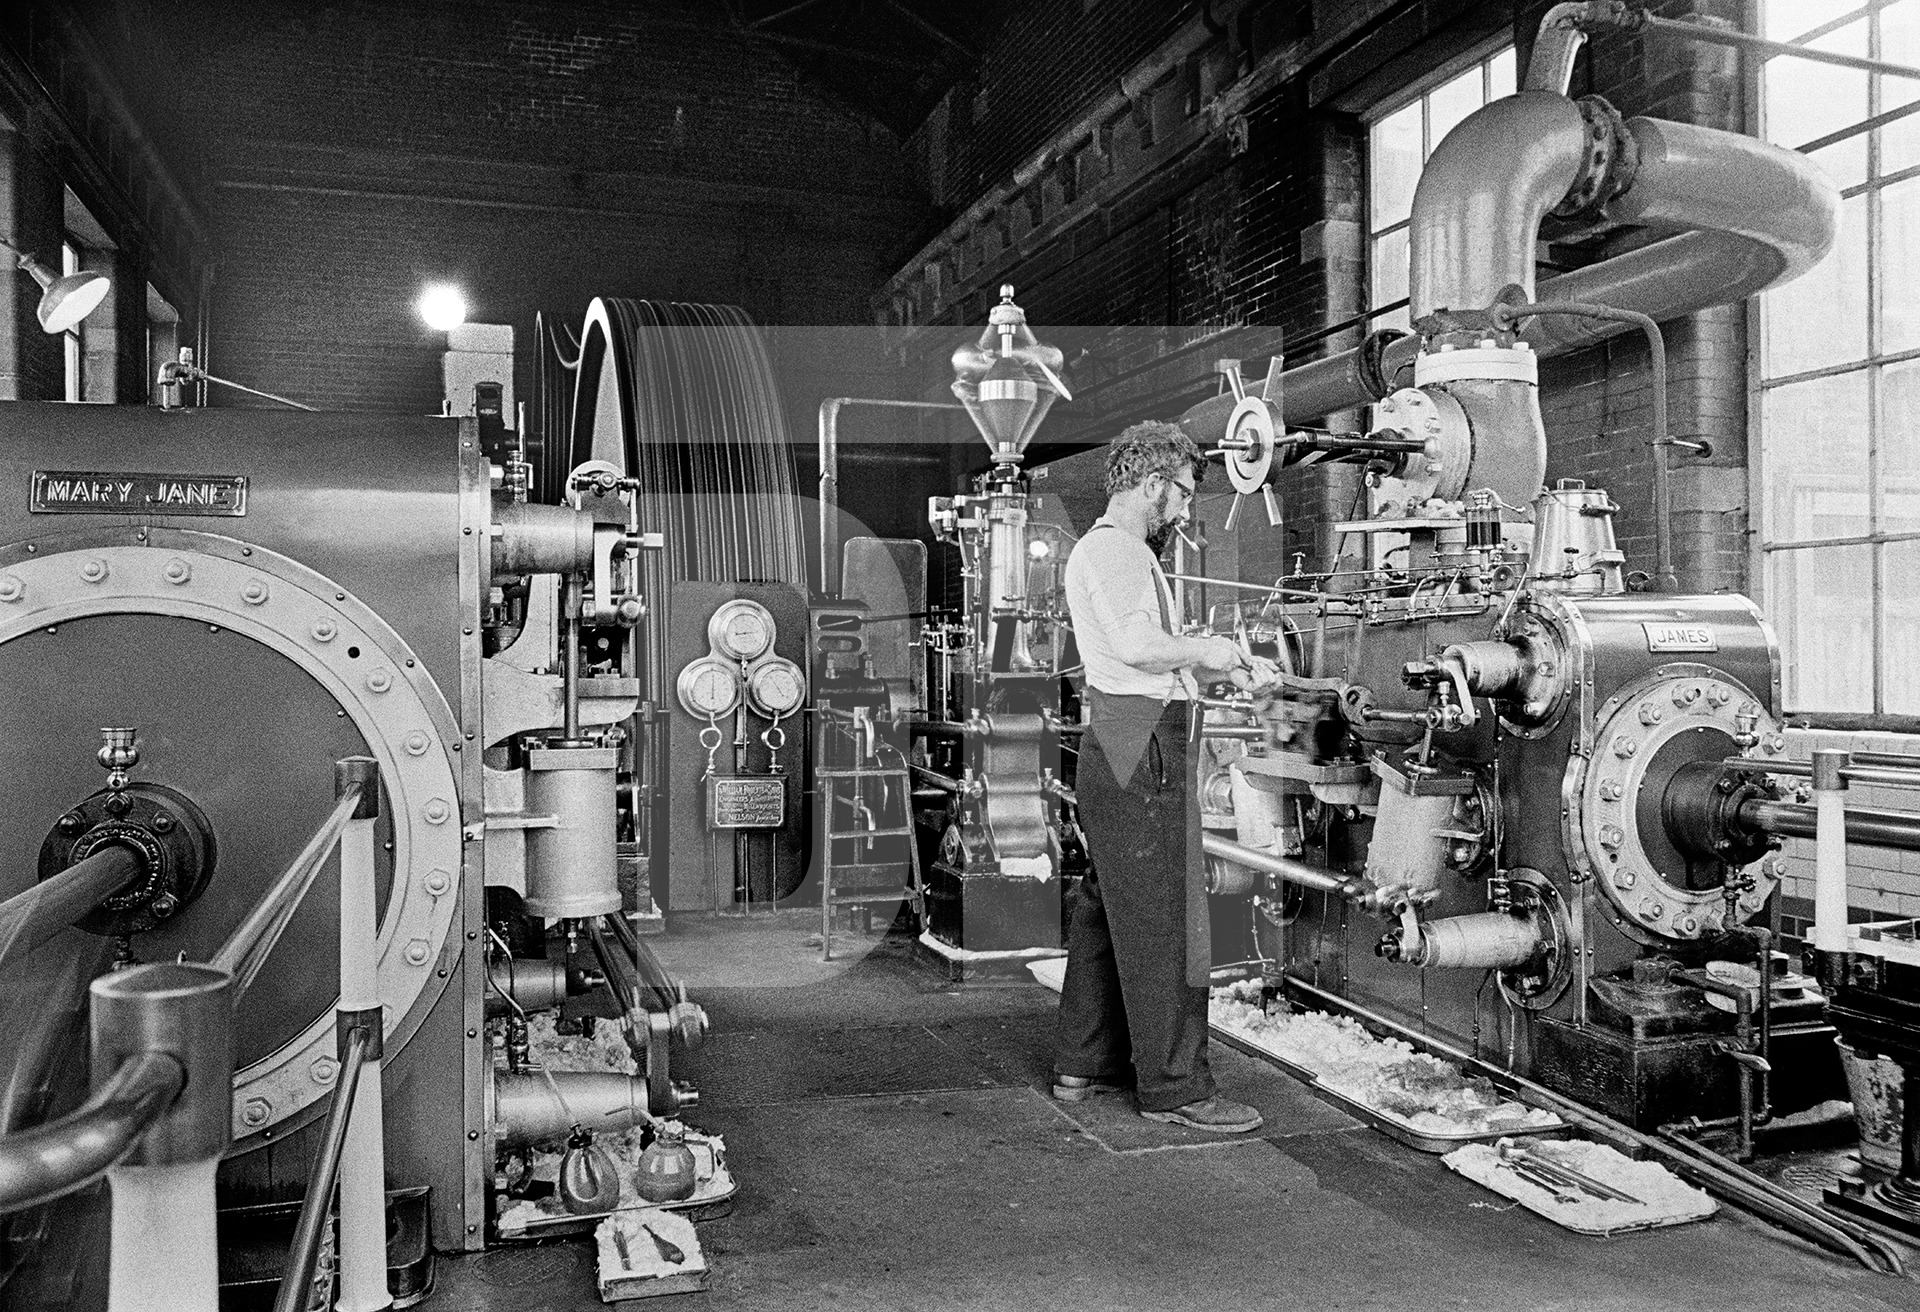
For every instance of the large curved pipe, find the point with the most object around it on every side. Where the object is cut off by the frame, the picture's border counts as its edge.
(1764, 214)
(1487, 185)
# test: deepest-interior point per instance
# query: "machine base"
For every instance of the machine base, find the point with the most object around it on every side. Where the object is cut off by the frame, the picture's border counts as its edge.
(992, 912)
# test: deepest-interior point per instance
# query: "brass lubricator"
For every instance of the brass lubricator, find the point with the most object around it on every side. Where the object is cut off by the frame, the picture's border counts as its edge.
(163, 828)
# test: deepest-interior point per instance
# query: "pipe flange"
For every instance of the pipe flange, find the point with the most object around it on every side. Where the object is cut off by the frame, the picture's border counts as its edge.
(1440, 471)
(1608, 168)
(1539, 984)
(1615, 824)
(333, 637)
(164, 828)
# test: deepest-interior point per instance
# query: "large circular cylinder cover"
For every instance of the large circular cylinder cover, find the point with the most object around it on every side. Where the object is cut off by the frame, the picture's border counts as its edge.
(571, 867)
(247, 675)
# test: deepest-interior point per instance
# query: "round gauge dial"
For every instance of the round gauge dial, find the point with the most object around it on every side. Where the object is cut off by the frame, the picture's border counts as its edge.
(743, 630)
(709, 688)
(776, 687)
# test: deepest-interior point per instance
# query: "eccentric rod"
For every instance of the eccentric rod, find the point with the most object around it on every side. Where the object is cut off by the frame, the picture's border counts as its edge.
(247, 948)
(50, 1160)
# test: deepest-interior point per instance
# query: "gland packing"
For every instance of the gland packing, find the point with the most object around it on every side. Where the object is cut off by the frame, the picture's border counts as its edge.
(1614, 830)
(169, 834)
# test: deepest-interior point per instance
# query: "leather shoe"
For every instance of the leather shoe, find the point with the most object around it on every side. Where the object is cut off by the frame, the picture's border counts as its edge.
(1218, 1114)
(1079, 1088)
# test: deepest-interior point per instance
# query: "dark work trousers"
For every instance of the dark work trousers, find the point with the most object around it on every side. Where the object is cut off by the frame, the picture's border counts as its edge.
(1127, 1010)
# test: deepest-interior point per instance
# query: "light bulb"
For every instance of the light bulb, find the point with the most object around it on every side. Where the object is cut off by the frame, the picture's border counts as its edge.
(443, 306)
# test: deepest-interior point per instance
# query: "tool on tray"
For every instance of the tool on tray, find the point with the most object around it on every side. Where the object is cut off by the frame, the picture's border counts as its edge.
(669, 1251)
(1551, 1175)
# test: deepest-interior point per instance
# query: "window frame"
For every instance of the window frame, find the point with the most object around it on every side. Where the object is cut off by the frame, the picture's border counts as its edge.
(1872, 365)
(1421, 90)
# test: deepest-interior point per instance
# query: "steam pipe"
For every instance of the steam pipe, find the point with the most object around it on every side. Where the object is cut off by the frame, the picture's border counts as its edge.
(1482, 194)
(49, 1160)
(1781, 215)
(1284, 868)
(830, 476)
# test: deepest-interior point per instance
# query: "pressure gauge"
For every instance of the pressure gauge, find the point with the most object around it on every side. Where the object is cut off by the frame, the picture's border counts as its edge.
(775, 688)
(743, 630)
(709, 688)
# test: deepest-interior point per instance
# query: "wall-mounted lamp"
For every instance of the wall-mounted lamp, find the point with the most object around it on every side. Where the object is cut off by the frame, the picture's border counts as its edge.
(443, 306)
(64, 302)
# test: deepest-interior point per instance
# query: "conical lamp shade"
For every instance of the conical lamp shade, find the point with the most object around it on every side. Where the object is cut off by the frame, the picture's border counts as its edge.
(70, 299)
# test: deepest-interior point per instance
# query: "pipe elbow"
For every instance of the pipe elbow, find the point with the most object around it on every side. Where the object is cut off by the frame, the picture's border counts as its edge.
(1481, 197)
(1703, 178)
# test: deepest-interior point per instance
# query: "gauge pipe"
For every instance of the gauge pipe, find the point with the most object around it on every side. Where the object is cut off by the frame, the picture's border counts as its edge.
(830, 475)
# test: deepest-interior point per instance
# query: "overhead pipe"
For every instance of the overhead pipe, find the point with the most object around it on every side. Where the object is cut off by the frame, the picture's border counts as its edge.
(1762, 214)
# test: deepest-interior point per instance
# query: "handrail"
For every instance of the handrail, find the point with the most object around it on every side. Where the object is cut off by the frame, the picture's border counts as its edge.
(247, 948)
(296, 1282)
(49, 1160)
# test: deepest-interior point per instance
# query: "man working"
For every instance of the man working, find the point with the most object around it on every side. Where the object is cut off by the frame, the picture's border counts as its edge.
(1133, 1010)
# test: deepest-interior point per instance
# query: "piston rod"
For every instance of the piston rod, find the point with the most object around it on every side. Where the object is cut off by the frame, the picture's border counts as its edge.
(1284, 868)
(1898, 829)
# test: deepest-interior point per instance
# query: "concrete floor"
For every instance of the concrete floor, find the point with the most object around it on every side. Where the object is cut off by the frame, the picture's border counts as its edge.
(896, 1149)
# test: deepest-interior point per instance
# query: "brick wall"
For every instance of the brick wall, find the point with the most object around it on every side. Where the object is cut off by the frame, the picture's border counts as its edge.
(538, 155)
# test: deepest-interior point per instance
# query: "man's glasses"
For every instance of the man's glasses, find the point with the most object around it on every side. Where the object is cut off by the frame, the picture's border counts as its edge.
(1186, 490)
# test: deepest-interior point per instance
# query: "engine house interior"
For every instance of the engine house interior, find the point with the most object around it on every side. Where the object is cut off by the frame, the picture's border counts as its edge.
(436, 810)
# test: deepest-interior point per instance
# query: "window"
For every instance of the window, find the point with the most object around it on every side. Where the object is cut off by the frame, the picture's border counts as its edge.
(70, 264)
(1398, 143)
(1837, 370)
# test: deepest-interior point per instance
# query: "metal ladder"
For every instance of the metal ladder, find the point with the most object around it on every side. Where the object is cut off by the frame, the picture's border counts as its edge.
(831, 804)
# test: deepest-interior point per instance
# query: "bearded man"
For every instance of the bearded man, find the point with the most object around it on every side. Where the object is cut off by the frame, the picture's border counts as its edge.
(1133, 1010)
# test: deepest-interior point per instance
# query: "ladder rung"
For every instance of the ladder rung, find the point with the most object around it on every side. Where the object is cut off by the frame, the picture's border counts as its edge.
(870, 833)
(857, 899)
(859, 774)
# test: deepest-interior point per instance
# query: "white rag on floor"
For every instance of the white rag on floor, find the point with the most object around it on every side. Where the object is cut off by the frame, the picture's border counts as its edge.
(1027, 867)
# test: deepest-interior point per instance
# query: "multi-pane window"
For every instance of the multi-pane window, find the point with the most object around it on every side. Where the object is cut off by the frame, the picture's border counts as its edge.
(1398, 144)
(1837, 406)
(70, 340)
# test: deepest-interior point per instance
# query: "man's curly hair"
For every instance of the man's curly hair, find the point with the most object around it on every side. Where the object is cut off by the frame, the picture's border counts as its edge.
(1153, 447)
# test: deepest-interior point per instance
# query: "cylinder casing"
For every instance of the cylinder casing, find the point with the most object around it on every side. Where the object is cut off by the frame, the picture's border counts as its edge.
(571, 867)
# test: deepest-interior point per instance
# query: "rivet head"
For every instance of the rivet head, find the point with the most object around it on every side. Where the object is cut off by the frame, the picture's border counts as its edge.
(324, 631)
(436, 811)
(177, 571)
(417, 952)
(254, 593)
(94, 570)
(11, 588)
(256, 1111)
(323, 1070)
(438, 882)
(417, 743)
(380, 680)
